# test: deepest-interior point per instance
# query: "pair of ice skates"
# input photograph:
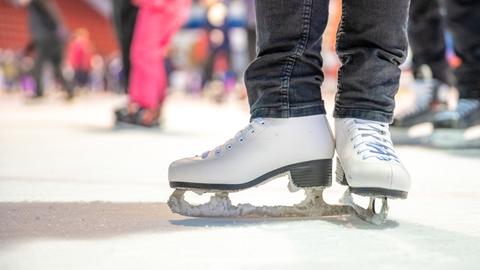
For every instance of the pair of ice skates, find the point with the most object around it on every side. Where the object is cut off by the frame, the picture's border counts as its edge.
(303, 149)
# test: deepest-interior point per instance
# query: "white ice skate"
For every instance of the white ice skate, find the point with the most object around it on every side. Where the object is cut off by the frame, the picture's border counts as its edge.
(368, 164)
(301, 147)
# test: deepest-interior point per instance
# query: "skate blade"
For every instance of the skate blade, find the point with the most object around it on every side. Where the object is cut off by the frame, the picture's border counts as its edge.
(220, 206)
(369, 214)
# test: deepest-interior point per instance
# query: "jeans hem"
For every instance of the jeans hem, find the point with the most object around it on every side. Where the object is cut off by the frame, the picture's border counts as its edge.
(363, 114)
(288, 112)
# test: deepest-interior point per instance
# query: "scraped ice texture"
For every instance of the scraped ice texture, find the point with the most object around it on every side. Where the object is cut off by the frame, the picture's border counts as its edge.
(277, 202)
(220, 205)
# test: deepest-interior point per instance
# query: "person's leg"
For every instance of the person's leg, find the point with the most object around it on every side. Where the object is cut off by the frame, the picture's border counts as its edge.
(56, 58)
(40, 59)
(285, 78)
(426, 32)
(147, 73)
(464, 23)
(156, 24)
(371, 44)
(154, 30)
(124, 16)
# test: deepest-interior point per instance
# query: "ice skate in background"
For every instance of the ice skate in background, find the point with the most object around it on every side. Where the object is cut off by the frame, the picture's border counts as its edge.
(413, 124)
(301, 148)
(458, 128)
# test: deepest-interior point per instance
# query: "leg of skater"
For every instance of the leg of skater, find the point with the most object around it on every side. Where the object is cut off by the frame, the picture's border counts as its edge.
(288, 132)
(372, 43)
(156, 24)
(124, 16)
(464, 21)
(56, 58)
(426, 32)
(40, 60)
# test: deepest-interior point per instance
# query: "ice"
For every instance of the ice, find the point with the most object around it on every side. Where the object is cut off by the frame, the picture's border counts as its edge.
(75, 194)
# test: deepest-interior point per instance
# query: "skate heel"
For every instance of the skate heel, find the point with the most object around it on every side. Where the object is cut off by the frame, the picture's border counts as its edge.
(340, 174)
(316, 173)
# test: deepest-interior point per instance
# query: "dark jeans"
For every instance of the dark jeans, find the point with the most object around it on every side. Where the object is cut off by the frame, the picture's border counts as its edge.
(285, 78)
(426, 33)
(49, 50)
(463, 17)
(124, 17)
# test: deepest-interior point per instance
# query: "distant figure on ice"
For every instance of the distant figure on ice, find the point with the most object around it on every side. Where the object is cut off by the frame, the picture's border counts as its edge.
(48, 33)
(157, 22)
(79, 55)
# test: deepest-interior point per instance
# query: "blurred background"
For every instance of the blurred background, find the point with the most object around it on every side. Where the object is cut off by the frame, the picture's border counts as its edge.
(207, 56)
(69, 169)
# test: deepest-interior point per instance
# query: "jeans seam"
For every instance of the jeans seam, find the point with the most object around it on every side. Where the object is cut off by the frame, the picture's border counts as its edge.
(337, 41)
(297, 52)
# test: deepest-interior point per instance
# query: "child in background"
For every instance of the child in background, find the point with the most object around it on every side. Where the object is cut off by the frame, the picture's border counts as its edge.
(157, 22)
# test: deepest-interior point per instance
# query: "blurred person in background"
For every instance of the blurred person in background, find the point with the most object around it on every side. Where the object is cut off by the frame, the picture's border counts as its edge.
(48, 33)
(427, 30)
(157, 21)
(464, 22)
(10, 70)
(79, 56)
(124, 17)
(98, 74)
(430, 68)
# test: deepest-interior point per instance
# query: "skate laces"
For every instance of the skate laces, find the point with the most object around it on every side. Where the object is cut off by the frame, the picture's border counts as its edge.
(371, 139)
(240, 137)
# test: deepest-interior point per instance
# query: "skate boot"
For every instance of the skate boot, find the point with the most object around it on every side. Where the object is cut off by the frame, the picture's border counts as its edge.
(459, 128)
(300, 147)
(135, 115)
(368, 165)
(430, 98)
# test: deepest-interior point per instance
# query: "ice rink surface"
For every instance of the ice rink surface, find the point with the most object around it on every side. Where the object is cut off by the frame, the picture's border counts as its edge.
(77, 194)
